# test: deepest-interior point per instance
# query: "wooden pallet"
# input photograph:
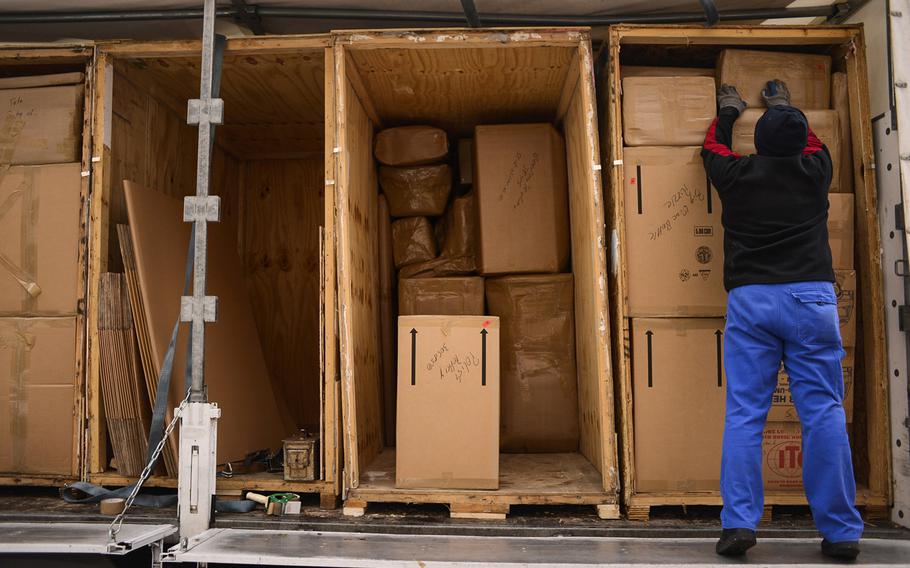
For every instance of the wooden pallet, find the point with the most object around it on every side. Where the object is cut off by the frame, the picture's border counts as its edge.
(525, 479)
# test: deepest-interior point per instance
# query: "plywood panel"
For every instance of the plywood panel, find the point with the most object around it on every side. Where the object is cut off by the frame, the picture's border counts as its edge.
(358, 278)
(282, 210)
(457, 88)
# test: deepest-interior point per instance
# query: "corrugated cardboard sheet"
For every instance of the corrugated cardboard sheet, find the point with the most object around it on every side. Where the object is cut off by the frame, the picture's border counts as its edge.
(235, 373)
(39, 239)
(522, 199)
(539, 383)
(845, 287)
(840, 230)
(448, 402)
(782, 407)
(41, 124)
(807, 76)
(840, 102)
(37, 378)
(674, 237)
(667, 111)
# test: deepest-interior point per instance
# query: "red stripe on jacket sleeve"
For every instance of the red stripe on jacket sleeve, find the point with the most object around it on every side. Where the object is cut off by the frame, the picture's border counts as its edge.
(712, 145)
(813, 144)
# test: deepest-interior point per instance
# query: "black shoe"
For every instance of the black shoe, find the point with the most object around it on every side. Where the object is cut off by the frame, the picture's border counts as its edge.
(844, 550)
(735, 542)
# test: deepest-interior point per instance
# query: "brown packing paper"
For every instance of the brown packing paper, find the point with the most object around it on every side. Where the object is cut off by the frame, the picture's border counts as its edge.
(823, 122)
(807, 76)
(456, 234)
(782, 456)
(678, 388)
(412, 241)
(845, 288)
(667, 111)
(235, 373)
(648, 71)
(411, 145)
(539, 399)
(522, 199)
(440, 296)
(41, 125)
(840, 230)
(39, 239)
(37, 378)
(674, 237)
(387, 309)
(421, 190)
(840, 102)
(448, 402)
(784, 410)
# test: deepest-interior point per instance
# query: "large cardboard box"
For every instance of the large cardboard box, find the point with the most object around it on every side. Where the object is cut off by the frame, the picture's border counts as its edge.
(674, 238)
(448, 402)
(37, 382)
(522, 199)
(457, 296)
(678, 387)
(782, 407)
(824, 123)
(41, 125)
(807, 76)
(39, 239)
(782, 456)
(840, 230)
(539, 409)
(845, 288)
(651, 71)
(667, 111)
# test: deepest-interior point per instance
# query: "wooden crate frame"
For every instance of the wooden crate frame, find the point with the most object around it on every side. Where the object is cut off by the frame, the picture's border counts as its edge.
(67, 54)
(851, 45)
(356, 116)
(107, 53)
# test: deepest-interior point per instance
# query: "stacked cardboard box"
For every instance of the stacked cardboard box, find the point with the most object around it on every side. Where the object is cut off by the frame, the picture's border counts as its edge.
(39, 270)
(673, 246)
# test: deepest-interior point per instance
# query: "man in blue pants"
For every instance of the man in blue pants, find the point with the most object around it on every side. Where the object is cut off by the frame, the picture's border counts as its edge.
(781, 307)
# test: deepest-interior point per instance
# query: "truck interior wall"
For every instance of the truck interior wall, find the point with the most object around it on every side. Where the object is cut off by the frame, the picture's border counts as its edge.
(267, 166)
(869, 435)
(457, 88)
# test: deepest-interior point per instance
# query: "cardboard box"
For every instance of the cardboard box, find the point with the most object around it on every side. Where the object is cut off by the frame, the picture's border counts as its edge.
(782, 456)
(840, 230)
(824, 123)
(678, 392)
(807, 76)
(411, 145)
(466, 161)
(37, 382)
(412, 241)
(522, 199)
(41, 125)
(840, 102)
(782, 407)
(419, 190)
(845, 288)
(448, 402)
(440, 296)
(650, 71)
(673, 238)
(539, 383)
(39, 239)
(667, 111)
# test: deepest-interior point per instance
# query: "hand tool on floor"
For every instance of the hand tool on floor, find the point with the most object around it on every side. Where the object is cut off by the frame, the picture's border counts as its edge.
(277, 504)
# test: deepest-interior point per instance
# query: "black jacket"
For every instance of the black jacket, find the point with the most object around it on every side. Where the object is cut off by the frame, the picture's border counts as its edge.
(775, 209)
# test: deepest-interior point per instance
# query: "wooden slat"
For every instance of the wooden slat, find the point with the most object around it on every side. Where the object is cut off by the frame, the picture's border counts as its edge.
(331, 440)
(743, 35)
(451, 37)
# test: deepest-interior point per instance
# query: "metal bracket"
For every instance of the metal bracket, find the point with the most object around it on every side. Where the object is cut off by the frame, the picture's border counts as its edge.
(206, 209)
(203, 112)
(209, 308)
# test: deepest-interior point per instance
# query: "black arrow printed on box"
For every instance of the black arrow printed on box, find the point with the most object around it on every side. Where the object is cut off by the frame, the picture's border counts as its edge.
(720, 358)
(638, 182)
(708, 187)
(649, 333)
(413, 356)
(483, 358)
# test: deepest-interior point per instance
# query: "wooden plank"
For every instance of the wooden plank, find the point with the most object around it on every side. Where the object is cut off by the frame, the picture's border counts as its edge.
(251, 482)
(41, 53)
(864, 497)
(331, 440)
(452, 37)
(34, 480)
(746, 35)
(239, 45)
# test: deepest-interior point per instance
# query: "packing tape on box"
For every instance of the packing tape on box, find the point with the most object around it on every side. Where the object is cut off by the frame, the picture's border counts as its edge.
(24, 274)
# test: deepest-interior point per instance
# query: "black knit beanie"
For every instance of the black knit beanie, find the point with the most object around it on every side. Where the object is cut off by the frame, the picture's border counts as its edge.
(781, 131)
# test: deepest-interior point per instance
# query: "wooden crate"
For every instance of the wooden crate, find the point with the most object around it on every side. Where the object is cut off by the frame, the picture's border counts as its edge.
(277, 91)
(456, 79)
(36, 59)
(699, 46)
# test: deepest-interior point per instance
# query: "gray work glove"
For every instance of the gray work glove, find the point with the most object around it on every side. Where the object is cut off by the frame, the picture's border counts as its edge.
(728, 96)
(776, 93)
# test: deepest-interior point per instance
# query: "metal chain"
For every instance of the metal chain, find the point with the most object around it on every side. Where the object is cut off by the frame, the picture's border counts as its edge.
(117, 523)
